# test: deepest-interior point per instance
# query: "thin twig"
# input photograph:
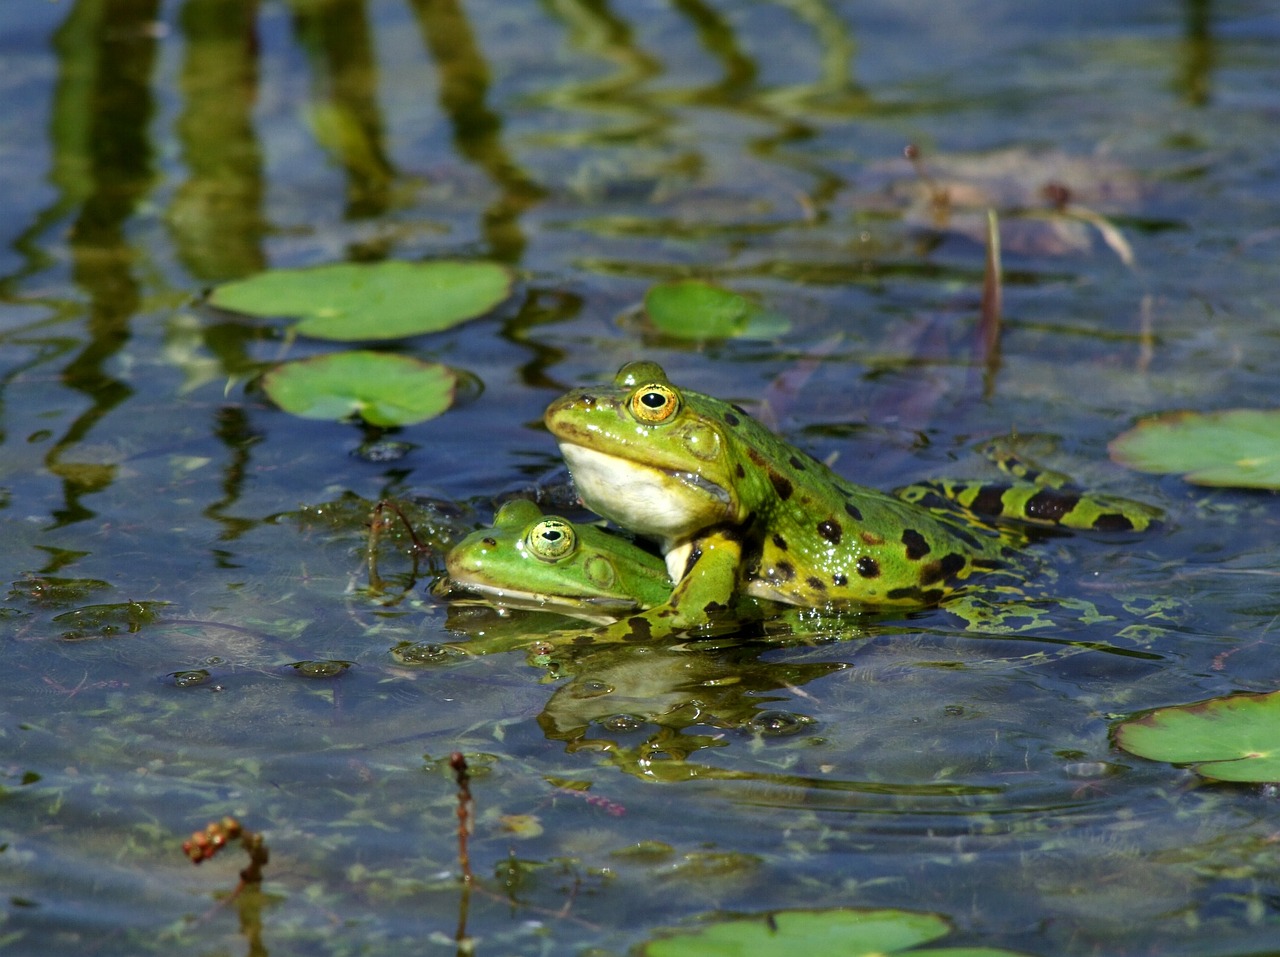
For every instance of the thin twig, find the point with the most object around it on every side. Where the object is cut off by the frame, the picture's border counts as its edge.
(987, 346)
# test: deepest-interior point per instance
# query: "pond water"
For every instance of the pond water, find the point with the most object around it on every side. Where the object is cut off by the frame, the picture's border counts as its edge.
(188, 627)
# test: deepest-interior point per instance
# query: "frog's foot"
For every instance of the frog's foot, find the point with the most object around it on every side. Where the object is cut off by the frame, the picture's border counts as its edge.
(1030, 502)
(1009, 612)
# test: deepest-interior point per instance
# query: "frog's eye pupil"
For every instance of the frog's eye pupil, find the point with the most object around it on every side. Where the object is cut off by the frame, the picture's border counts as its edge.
(654, 403)
(551, 539)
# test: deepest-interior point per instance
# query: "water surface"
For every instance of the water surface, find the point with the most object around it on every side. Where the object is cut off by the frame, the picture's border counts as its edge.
(175, 546)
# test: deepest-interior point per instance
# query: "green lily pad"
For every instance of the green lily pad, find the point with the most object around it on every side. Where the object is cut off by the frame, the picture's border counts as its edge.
(693, 309)
(380, 388)
(844, 931)
(1238, 447)
(386, 300)
(1236, 738)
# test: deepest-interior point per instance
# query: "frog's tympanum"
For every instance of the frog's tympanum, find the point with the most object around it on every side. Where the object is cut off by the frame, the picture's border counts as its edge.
(736, 510)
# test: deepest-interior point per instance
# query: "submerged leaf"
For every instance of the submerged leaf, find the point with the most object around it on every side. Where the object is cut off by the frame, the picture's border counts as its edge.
(106, 621)
(382, 389)
(386, 300)
(1048, 201)
(1236, 738)
(844, 931)
(692, 309)
(1237, 447)
(847, 932)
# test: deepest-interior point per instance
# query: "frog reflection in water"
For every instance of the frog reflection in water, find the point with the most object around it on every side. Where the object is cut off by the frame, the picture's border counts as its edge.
(651, 707)
(737, 510)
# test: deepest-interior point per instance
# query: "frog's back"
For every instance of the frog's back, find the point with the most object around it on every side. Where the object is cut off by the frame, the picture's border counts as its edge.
(813, 538)
(832, 541)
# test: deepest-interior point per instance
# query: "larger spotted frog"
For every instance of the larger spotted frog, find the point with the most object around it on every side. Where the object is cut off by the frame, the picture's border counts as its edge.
(737, 510)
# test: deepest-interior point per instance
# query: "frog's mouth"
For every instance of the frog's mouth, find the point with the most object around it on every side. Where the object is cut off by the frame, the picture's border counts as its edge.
(669, 503)
(699, 482)
(597, 609)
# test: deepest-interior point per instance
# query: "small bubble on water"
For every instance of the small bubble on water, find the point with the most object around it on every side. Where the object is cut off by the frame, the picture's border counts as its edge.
(591, 688)
(425, 653)
(1092, 769)
(622, 723)
(382, 450)
(779, 724)
(323, 668)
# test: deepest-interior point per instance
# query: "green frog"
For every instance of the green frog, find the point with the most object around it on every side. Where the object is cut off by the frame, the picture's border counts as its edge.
(534, 562)
(547, 563)
(737, 510)
(530, 561)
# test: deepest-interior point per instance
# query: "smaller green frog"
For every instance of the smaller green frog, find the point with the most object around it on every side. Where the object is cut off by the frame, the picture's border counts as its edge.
(547, 563)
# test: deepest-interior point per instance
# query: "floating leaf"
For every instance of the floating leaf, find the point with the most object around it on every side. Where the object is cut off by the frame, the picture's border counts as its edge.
(386, 300)
(1239, 447)
(692, 309)
(843, 931)
(1236, 738)
(382, 389)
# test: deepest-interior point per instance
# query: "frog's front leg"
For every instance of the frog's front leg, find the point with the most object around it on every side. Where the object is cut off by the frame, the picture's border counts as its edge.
(706, 586)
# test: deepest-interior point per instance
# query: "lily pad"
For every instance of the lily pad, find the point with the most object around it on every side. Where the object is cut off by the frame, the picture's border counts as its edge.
(380, 388)
(844, 931)
(1237, 447)
(693, 309)
(386, 300)
(1236, 738)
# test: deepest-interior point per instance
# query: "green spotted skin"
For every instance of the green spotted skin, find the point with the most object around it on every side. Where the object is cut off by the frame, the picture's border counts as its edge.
(1035, 504)
(1036, 496)
(738, 509)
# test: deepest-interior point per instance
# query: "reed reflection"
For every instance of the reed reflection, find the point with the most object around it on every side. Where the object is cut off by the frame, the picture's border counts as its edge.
(344, 112)
(477, 128)
(102, 168)
(216, 216)
(1199, 54)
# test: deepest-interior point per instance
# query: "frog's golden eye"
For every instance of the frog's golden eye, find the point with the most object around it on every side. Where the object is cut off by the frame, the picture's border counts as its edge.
(551, 539)
(654, 403)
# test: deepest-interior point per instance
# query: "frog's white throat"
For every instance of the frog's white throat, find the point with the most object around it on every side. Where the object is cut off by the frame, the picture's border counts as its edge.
(669, 505)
